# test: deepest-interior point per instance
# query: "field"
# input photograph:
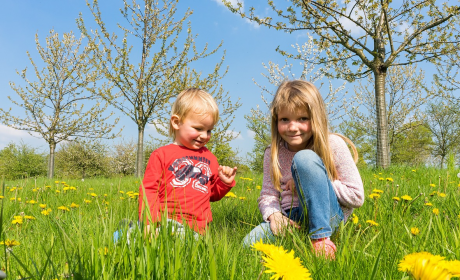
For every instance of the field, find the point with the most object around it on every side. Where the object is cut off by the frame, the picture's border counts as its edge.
(64, 229)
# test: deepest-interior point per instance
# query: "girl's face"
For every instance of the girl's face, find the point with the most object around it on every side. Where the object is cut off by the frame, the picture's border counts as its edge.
(194, 131)
(295, 128)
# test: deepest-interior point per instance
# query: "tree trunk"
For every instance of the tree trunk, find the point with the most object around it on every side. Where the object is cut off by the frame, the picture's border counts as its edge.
(140, 153)
(383, 149)
(51, 161)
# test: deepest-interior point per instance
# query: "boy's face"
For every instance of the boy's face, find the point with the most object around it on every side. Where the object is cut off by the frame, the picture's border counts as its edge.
(194, 131)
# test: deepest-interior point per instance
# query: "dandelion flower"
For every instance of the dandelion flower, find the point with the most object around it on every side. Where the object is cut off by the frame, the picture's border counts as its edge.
(93, 194)
(381, 179)
(58, 191)
(413, 170)
(17, 222)
(42, 206)
(440, 194)
(56, 182)
(264, 248)
(406, 197)
(65, 188)
(390, 179)
(433, 193)
(415, 231)
(395, 198)
(230, 194)
(74, 205)
(63, 208)
(432, 185)
(372, 223)
(377, 191)
(122, 192)
(436, 211)
(374, 195)
(355, 219)
(10, 243)
(87, 201)
(91, 189)
(29, 217)
(242, 198)
(1, 197)
(73, 188)
(424, 265)
(428, 204)
(46, 212)
(48, 187)
(258, 187)
(31, 201)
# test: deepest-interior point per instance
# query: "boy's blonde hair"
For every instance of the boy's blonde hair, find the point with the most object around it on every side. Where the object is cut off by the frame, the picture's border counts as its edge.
(301, 95)
(193, 100)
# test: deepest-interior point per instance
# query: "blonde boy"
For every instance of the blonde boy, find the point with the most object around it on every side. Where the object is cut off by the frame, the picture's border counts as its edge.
(182, 178)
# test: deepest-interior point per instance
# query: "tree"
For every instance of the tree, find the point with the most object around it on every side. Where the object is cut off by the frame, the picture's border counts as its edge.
(54, 104)
(367, 37)
(21, 160)
(147, 83)
(82, 159)
(412, 146)
(443, 120)
(406, 95)
(259, 120)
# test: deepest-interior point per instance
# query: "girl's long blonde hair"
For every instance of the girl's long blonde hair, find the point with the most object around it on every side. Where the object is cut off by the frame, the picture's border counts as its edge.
(301, 95)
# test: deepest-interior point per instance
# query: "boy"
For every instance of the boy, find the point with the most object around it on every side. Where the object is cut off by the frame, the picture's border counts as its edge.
(183, 177)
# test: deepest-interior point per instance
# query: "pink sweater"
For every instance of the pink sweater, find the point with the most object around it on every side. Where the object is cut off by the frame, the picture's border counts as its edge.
(348, 187)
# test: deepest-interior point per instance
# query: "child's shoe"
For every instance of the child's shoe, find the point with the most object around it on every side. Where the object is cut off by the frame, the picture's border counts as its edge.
(324, 247)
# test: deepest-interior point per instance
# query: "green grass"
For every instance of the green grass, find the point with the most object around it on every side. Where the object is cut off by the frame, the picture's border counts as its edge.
(79, 243)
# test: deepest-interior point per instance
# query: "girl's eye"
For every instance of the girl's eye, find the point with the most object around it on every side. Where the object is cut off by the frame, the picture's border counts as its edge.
(283, 120)
(304, 119)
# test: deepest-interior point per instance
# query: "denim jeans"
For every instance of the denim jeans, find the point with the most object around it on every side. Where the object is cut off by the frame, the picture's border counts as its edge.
(319, 211)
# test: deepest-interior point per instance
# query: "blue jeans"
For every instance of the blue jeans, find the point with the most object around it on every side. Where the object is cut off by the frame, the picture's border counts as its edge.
(319, 210)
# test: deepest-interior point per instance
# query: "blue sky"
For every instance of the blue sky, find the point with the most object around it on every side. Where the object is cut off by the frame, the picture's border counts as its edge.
(247, 47)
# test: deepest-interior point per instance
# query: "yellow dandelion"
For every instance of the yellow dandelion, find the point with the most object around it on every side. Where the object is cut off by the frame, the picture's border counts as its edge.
(48, 187)
(73, 188)
(42, 206)
(65, 188)
(230, 194)
(424, 265)
(415, 231)
(122, 198)
(433, 193)
(91, 189)
(56, 182)
(58, 191)
(258, 187)
(436, 211)
(390, 179)
(17, 222)
(242, 198)
(10, 243)
(428, 204)
(381, 179)
(18, 199)
(122, 192)
(63, 182)
(372, 223)
(74, 205)
(440, 194)
(93, 194)
(63, 208)
(395, 198)
(46, 212)
(355, 219)
(87, 201)
(406, 197)
(413, 170)
(264, 248)
(1, 197)
(35, 190)
(29, 217)
(377, 191)
(31, 201)
(13, 199)
(432, 185)
(374, 195)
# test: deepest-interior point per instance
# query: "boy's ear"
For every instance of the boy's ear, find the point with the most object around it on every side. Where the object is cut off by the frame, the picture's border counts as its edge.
(175, 121)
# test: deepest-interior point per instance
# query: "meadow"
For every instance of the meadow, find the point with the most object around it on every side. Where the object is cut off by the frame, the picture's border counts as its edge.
(64, 229)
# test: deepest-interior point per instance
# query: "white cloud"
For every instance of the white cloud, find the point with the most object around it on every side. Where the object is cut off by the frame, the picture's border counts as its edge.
(251, 134)
(349, 25)
(233, 2)
(8, 135)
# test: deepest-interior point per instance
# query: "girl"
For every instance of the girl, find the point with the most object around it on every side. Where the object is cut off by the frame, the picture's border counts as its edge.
(306, 168)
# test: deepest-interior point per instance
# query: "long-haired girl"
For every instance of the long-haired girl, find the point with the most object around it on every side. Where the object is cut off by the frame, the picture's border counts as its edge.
(310, 177)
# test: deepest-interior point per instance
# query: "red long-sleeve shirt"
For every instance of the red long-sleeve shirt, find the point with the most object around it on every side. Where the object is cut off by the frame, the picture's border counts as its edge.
(183, 182)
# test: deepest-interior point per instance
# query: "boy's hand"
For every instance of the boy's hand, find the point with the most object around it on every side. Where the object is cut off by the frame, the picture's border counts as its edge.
(227, 174)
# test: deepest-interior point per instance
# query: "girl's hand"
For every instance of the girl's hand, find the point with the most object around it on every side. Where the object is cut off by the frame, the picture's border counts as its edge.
(291, 186)
(227, 174)
(279, 222)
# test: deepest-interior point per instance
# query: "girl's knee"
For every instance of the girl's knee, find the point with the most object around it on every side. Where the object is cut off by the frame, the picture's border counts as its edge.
(306, 157)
